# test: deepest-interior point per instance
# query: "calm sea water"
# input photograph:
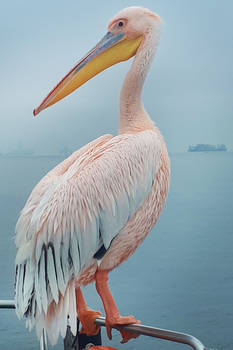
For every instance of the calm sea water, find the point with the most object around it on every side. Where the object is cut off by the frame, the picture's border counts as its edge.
(181, 278)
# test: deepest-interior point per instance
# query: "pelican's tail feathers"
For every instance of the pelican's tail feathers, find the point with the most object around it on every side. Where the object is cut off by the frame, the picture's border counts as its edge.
(37, 303)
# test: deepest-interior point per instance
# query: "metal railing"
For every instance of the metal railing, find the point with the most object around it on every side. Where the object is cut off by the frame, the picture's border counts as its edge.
(135, 328)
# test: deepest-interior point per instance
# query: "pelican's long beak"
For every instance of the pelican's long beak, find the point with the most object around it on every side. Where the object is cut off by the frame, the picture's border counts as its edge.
(112, 49)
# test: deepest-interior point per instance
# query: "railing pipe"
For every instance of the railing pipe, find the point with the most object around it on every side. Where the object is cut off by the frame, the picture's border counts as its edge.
(7, 304)
(43, 341)
(135, 328)
(159, 333)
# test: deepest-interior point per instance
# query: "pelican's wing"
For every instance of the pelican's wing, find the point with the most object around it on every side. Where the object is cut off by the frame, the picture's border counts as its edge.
(83, 210)
(23, 233)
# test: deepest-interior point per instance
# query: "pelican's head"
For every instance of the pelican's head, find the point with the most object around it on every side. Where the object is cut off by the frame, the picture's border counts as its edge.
(134, 22)
(125, 34)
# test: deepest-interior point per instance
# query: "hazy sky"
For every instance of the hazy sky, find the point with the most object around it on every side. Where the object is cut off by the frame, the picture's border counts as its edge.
(188, 92)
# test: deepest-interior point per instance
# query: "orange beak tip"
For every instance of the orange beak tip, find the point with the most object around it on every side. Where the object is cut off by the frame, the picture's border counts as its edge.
(35, 112)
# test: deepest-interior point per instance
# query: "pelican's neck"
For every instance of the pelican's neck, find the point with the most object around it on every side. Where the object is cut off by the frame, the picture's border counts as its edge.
(133, 117)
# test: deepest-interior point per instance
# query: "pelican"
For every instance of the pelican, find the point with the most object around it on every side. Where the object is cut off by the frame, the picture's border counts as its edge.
(91, 212)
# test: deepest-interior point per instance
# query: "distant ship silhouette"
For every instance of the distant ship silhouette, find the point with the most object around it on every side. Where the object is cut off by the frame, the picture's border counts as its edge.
(201, 147)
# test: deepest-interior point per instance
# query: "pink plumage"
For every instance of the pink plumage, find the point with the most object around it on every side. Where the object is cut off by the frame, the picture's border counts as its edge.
(90, 213)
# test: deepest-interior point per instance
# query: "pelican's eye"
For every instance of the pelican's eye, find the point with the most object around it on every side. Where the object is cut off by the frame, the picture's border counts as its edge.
(120, 24)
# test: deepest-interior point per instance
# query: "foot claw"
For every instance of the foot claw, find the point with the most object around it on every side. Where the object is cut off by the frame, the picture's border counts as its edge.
(87, 319)
(118, 322)
(126, 336)
(109, 332)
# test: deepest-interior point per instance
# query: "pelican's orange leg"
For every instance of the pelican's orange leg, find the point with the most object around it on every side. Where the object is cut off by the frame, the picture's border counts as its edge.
(86, 315)
(113, 318)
